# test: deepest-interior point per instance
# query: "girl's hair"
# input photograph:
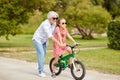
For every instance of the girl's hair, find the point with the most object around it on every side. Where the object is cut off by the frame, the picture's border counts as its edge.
(59, 21)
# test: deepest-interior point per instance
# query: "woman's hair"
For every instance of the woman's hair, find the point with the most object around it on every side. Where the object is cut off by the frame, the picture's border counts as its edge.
(52, 14)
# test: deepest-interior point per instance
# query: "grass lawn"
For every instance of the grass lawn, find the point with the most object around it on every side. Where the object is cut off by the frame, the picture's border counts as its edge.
(103, 60)
(17, 41)
(26, 41)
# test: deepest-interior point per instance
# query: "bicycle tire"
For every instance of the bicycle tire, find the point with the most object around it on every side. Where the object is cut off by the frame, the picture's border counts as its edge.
(50, 66)
(81, 76)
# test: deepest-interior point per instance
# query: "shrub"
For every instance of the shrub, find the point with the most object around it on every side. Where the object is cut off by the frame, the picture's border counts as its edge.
(114, 34)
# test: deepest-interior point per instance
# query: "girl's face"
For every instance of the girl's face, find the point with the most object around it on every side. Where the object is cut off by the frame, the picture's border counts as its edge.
(62, 23)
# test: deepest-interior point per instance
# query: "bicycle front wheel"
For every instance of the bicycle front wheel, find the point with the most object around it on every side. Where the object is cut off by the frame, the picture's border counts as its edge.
(78, 70)
(58, 69)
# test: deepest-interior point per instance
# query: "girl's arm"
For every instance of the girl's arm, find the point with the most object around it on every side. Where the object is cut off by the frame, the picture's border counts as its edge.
(59, 35)
(55, 40)
(70, 37)
(60, 38)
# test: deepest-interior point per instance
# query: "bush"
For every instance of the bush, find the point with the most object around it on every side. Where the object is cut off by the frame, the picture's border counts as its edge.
(114, 34)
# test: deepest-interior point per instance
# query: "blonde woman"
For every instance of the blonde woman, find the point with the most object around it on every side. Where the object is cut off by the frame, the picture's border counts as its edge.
(41, 36)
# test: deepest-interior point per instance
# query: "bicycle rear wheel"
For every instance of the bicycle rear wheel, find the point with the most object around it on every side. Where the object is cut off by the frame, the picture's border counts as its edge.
(79, 73)
(58, 69)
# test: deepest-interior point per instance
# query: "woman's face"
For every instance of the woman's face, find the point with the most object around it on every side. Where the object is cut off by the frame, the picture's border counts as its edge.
(62, 23)
(53, 20)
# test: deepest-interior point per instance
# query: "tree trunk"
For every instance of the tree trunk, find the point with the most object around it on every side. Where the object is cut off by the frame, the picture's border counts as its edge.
(85, 33)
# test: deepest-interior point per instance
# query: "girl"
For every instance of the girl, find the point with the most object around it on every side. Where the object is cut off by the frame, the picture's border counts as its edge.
(60, 34)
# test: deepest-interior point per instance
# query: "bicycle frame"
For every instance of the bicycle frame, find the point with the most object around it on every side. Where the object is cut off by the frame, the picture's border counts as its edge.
(74, 59)
(77, 68)
(64, 60)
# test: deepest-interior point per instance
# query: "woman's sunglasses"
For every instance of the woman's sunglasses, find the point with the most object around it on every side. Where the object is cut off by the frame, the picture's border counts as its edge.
(55, 18)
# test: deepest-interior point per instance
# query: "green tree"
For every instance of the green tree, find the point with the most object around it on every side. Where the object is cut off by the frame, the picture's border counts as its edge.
(15, 12)
(113, 34)
(112, 6)
(85, 16)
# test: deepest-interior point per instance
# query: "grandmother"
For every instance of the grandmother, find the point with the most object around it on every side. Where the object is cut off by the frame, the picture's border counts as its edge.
(41, 36)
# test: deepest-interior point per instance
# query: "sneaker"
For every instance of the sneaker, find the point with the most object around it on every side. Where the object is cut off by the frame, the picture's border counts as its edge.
(45, 71)
(53, 75)
(42, 74)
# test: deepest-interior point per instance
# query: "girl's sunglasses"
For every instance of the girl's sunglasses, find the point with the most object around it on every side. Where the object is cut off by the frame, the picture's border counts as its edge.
(64, 23)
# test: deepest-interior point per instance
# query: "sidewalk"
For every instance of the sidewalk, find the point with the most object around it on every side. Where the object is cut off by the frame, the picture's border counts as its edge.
(13, 69)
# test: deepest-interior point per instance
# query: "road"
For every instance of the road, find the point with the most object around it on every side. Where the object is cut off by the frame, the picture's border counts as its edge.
(13, 69)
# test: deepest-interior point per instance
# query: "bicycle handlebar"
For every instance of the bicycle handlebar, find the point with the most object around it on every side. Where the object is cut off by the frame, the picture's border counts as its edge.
(73, 45)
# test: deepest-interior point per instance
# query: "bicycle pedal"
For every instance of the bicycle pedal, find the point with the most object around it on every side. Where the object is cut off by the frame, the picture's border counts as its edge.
(70, 65)
(63, 68)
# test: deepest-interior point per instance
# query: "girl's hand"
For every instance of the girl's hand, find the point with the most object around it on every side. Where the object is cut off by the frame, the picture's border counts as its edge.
(76, 43)
(62, 45)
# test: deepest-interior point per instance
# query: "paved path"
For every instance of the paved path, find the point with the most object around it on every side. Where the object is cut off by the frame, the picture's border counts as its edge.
(32, 50)
(13, 69)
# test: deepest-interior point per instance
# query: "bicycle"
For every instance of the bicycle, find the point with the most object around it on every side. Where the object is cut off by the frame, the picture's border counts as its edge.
(77, 69)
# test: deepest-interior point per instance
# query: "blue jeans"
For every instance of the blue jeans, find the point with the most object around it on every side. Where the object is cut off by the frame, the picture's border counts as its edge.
(41, 51)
